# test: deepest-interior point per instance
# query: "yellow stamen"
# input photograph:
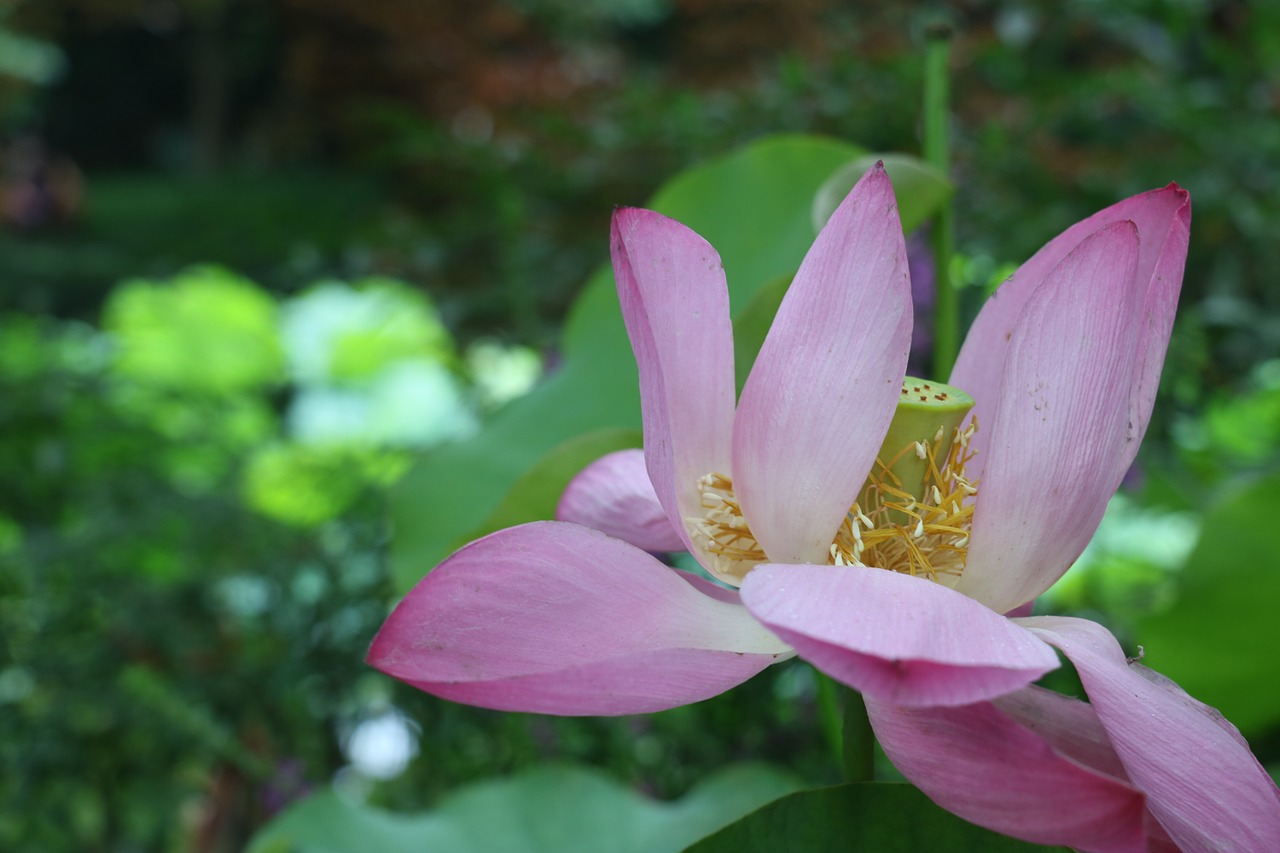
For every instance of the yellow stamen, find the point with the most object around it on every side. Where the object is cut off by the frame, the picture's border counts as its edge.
(889, 527)
(722, 531)
(927, 535)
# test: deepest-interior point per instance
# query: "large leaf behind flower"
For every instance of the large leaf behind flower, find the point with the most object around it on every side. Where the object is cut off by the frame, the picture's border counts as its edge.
(1217, 638)
(753, 206)
(544, 810)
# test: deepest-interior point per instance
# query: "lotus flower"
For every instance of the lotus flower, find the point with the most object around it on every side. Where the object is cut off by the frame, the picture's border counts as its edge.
(838, 502)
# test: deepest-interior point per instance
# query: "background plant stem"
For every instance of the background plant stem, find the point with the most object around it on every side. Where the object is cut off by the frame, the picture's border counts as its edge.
(829, 713)
(937, 152)
(859, 759)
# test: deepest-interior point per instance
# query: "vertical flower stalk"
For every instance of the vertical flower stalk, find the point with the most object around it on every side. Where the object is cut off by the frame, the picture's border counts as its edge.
(937, 153)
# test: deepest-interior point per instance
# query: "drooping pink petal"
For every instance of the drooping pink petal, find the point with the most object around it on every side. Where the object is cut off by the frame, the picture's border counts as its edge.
(977, 762)
(823, 389)
(1072, 728)
(898, 639)
(1059, 432)
(1201, 781)
(615, 496)
(1067, 724)
(559, 619)
(1163, 220)
(676, 307)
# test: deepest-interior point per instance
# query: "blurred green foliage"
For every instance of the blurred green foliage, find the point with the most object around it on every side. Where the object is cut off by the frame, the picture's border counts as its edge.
(186, 587)
(157, 637)
(204, 331)
(282, 229)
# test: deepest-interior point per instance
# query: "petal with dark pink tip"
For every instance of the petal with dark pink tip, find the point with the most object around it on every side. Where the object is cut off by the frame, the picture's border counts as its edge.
(896, 638)
(1201, 781)
(555, 618)
(1059, 434)
(825, 384)
(1163, 219)
(615, 496)
(977, 762)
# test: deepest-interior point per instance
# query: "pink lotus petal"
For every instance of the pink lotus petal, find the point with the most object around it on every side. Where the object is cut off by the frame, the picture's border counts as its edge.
(560, 619)
(1059, 433)
(977, 762)
(1160, 304)
(1069, 725)
(823, 389)
(1202, 782)
(1163, 218)
(1025, 609)
(1074, 731)
(676, 307)
(615, 496)
(896, 638)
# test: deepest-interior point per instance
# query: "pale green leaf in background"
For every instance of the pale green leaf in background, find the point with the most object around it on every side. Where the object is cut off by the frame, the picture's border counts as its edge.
(919, 188)
(1217, 638)
(550, 809)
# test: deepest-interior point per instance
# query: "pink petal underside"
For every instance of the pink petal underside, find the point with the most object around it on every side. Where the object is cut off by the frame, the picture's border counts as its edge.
(1059, 432)
(615, 496)
(555, 618)
(1072, 728)
(1067, 724)
(977, 762)
(1201, 781)
(676, 307)
(1163, 219)
(896, 638)
(823, 389)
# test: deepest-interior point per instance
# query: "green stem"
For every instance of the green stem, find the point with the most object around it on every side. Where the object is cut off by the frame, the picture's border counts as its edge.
(859, 760)
(937, 152)
(829, 713)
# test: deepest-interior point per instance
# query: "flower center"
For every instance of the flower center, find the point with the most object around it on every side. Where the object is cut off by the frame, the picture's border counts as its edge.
(913, 514)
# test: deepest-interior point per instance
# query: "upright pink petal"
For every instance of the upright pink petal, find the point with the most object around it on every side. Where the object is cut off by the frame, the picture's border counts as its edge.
(676, 307)
(558, 619)
(1162, 218)
(1202, 782)
(977, 762)
(823, 389)
(895, 638)
(1059, 432)
(615, 496)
